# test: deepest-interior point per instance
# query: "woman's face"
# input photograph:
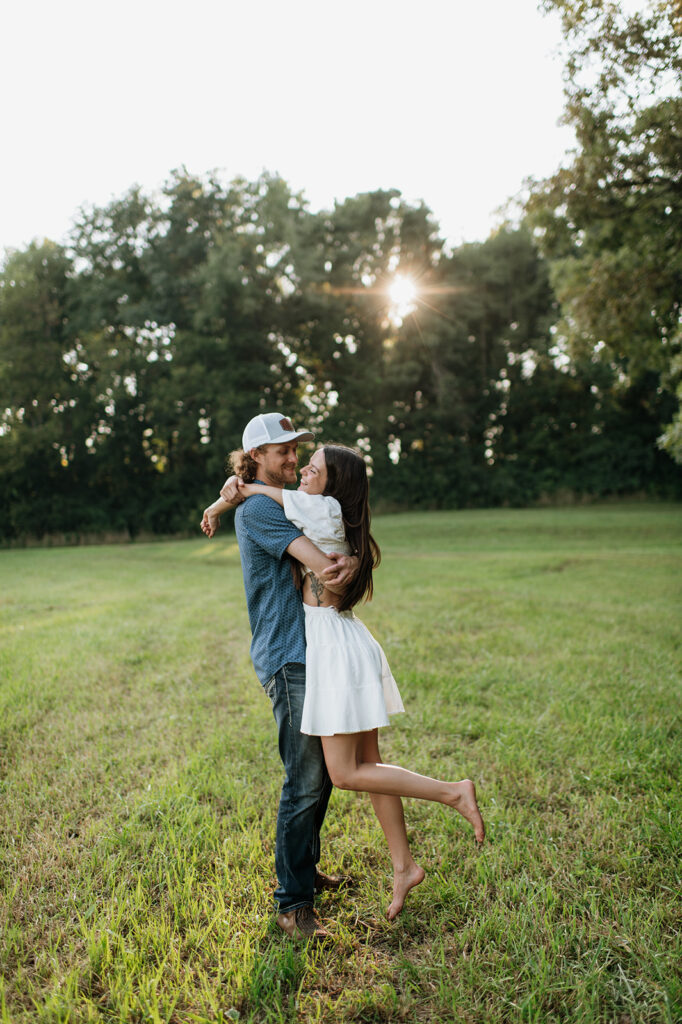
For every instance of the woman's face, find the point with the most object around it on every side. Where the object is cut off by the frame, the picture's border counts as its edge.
(314, 475)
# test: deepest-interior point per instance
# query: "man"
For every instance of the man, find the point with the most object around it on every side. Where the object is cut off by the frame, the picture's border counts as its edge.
(266, 540)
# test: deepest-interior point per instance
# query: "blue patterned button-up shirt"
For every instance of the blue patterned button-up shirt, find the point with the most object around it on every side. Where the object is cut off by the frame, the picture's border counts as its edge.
(274, 604)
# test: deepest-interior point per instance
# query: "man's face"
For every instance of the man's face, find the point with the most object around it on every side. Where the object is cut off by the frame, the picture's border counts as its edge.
(276, 463)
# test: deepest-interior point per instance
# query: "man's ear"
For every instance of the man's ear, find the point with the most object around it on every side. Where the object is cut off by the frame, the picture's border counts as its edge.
(256, 456)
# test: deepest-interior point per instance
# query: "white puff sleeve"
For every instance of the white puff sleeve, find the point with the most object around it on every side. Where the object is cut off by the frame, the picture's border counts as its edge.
(319, 517)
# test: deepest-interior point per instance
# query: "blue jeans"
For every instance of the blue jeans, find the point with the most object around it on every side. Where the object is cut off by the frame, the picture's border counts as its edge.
(305, 793)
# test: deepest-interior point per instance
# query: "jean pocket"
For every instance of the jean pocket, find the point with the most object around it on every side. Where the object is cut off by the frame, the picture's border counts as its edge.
(269, 688)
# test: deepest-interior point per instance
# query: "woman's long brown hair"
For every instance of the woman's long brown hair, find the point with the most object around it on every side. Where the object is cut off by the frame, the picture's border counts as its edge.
(347, 482)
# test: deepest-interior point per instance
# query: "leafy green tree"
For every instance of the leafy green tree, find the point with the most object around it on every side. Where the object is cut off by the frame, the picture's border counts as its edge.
(573, 430)
(123, 352)
(610, 221)
(41, 393)
(339, 316)
(448, 375)
(130, 361)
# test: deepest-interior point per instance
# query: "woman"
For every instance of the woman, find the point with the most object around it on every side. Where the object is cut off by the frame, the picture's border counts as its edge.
(350, 690)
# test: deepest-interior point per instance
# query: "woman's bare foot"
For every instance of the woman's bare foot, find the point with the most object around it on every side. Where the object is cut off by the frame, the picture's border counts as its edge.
(464, 801)
(403, 881)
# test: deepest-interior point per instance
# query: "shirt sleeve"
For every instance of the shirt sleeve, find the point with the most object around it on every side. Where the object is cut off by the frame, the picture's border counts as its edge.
(267, 525)
(319, 517)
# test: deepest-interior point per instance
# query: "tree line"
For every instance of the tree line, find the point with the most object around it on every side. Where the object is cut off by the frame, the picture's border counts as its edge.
(541, 361)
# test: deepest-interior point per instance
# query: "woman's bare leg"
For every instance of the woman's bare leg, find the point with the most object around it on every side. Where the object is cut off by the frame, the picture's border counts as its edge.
(348, 770)
(389, 810)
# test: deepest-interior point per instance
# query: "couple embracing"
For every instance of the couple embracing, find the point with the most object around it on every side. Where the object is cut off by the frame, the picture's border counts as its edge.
(307, 558)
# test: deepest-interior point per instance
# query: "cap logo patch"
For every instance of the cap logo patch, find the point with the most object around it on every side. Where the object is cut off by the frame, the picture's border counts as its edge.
(286, 425)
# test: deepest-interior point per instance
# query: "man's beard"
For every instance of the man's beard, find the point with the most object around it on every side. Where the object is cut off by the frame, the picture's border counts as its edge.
(279, 479)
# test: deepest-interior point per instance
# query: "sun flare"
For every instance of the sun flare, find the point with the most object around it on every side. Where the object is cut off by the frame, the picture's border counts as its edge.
(403, 294)
(403, 291)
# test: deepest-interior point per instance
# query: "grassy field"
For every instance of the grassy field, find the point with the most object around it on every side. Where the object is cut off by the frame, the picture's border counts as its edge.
(537, 652)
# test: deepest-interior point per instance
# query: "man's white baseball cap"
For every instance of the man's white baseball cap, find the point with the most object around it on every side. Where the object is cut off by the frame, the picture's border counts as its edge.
(272, 428)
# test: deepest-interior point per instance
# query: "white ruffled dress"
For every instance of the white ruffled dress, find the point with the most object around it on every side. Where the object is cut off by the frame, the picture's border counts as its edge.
(349, 685)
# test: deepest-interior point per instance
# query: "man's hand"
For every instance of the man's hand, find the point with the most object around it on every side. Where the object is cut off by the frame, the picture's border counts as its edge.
(230, 491)
(337, 576)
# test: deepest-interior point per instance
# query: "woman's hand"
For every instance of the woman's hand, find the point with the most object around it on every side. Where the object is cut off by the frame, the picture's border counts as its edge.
(245, 490)
(210, 521)
(230, 491)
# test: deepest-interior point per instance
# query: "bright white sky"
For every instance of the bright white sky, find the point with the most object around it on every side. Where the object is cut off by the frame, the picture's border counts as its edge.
(451, 101)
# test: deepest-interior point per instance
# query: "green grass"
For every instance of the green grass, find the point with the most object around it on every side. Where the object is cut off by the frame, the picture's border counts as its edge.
(537, 652)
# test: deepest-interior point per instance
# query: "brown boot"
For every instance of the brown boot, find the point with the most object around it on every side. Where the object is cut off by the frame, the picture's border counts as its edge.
(303, 923)
(323, 881)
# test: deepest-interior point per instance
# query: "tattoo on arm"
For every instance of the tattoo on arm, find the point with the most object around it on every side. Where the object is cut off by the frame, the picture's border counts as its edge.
(317, 588)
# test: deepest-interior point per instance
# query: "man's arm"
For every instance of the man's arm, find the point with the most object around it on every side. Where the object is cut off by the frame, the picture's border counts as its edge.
(305, 552)
(334, 571)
